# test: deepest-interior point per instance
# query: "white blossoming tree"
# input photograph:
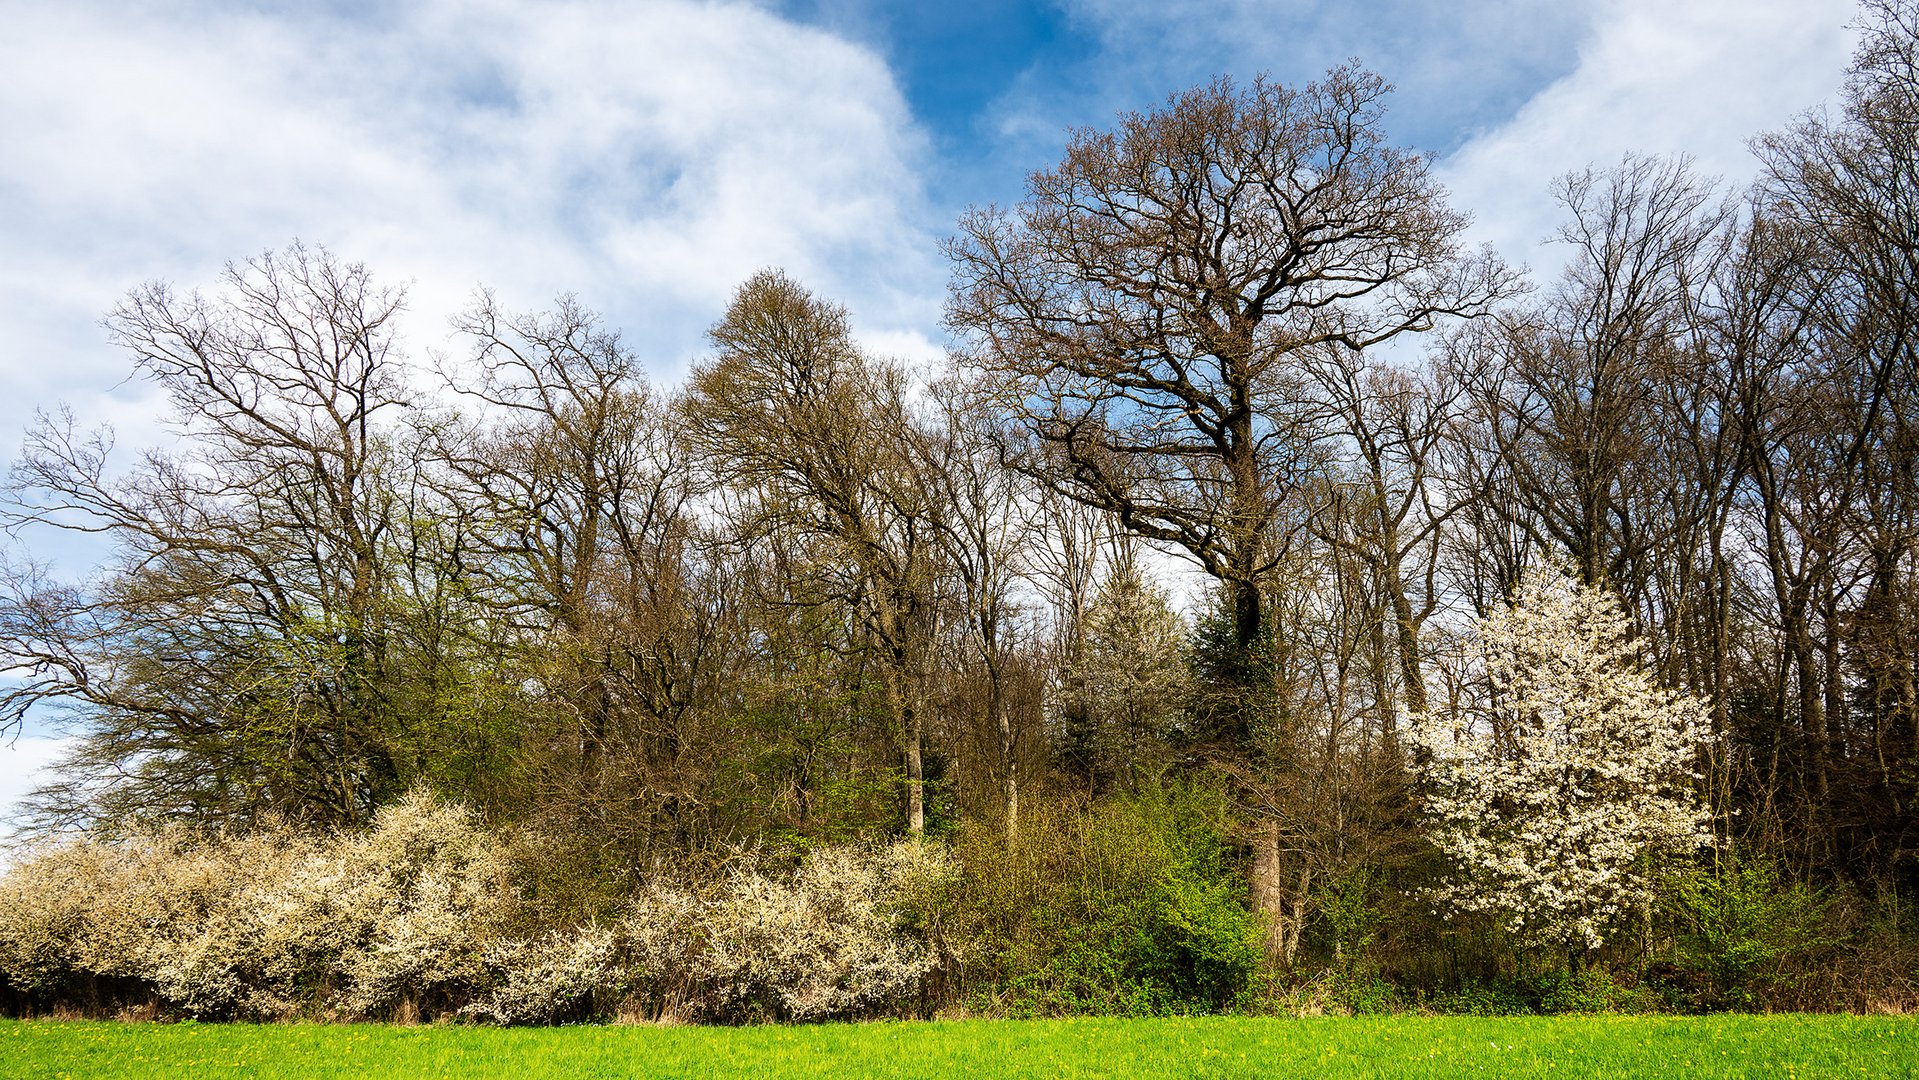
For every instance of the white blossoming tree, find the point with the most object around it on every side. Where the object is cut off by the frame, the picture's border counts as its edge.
(1558, 782)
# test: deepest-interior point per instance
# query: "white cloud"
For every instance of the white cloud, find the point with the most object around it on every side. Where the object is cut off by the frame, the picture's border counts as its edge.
(1512, 93)
(1699, 78)
(1456, 65)
(649, 156)
(914, 348)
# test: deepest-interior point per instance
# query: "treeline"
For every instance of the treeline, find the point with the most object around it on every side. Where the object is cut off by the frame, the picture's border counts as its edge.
(813, 596)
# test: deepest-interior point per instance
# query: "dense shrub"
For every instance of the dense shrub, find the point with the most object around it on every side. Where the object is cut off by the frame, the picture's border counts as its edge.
(1747, 936)
(1739, 931)
(843, 935)
(563, 975)
(1128, 905)
(272, 923)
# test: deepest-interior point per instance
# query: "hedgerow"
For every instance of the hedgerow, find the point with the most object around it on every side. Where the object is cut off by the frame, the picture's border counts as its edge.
(422, 917)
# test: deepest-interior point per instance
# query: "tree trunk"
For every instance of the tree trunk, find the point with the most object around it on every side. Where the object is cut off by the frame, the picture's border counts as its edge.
(1246, 615)
(1413, 680)
(1270, 896)
(915, 774)
(1009, 760)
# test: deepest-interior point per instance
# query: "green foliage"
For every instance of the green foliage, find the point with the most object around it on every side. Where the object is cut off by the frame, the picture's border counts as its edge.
(1129, 905)
(1477, 998)
(1363, 992)
(1587, 990)
(1350, 915)
(1739, 927)
(1554, 992)
(1348, 920)
(1232, 700)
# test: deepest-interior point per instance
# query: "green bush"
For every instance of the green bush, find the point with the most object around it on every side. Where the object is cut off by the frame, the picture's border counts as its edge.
(1480, 999)
(1362, 992)
(1547, 993)
(1129, 905)
(1738, 930)
(1588, 990)
(1348, 917)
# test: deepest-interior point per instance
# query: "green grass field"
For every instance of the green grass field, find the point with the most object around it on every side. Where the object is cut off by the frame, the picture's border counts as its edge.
(1691, 1048)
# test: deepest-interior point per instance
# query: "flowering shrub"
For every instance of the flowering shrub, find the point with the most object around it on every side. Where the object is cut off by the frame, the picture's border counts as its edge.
(426, 893)
(269, 924)
(1556, 788)
(560, 976)
(234, 926)
(211, 926)
(411, 919)
(58, 919)
(845, 934)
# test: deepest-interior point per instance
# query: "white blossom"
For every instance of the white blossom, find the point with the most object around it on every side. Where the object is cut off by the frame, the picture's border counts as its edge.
(1561, 779)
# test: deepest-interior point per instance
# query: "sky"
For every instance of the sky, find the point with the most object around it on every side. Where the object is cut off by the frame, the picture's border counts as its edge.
(649, 155)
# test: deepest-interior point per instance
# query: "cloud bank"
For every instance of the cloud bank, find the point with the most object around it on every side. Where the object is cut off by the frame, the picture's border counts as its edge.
(648, 156)
(1699, 78)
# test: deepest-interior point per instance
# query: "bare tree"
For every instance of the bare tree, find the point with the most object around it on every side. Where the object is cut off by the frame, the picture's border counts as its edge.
(1833, 449)
(576, 498)
(984, 528)
(1385, 508)
(1150, 306)
(1076, 543)
(1575, 405)
(248, 648)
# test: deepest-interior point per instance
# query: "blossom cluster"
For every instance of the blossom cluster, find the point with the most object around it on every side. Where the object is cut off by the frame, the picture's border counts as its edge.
(1562, 779)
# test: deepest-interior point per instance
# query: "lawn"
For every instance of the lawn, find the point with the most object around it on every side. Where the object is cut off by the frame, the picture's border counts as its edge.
(1608, 1046)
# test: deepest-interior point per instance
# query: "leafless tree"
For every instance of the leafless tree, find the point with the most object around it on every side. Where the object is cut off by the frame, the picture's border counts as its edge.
(247, 649)
(575, 496)
(985, 529)
(1576, 406)
(1150, 307)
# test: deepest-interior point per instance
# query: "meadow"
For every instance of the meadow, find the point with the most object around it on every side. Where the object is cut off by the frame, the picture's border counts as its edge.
(1782, 1046)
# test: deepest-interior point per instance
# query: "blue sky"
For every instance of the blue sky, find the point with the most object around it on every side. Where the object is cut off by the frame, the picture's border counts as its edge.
(995, 81)
(648, 156)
